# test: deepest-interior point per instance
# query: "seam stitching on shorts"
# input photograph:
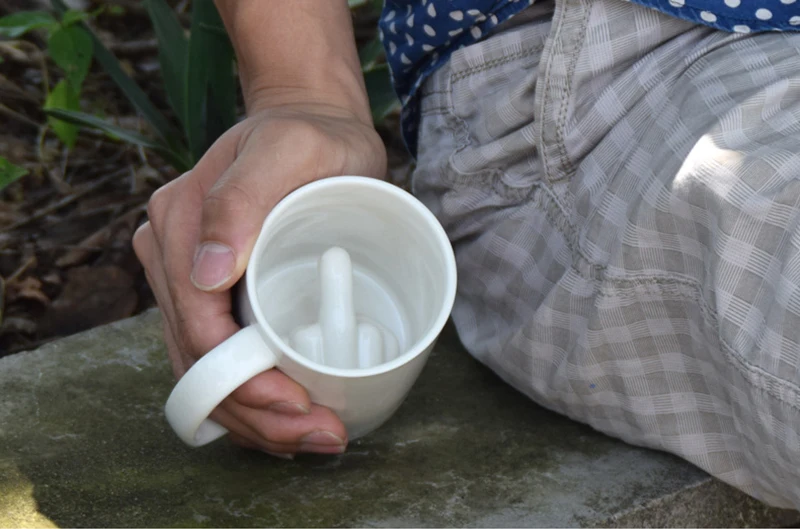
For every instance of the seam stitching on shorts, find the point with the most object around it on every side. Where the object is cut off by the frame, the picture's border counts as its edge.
(433, 111)
(567, 167)
(488, 65)
(424, 93)
(543, 88)
(460, 129)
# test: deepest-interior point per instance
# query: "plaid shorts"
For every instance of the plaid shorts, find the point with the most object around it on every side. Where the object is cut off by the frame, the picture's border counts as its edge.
(622, 190)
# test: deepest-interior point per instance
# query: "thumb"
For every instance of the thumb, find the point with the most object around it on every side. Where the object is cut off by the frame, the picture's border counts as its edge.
(233, 211)
(235, 206)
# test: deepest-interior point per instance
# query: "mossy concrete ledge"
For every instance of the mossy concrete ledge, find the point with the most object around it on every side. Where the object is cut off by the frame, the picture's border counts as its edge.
(83, 442)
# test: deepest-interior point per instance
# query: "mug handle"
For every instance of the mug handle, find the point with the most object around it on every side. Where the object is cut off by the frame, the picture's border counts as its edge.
(210, 380)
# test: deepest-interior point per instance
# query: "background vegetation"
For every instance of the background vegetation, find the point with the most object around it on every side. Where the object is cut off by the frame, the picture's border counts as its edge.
(104, 101)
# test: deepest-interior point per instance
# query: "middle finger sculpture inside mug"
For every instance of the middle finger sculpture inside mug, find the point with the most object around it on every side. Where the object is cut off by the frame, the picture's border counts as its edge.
(349, 284)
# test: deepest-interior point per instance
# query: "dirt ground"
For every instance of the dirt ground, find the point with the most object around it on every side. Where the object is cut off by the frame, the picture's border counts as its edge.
(66, 262)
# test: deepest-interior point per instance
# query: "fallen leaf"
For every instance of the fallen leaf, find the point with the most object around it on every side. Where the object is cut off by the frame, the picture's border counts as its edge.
(26, 288)
(92, 296)
(85, 248)
(52, 278)
(121, 229)
(17, 324)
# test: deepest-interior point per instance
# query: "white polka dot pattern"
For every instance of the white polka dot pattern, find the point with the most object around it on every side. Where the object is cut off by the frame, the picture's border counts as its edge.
(740, 16)
(420, 35)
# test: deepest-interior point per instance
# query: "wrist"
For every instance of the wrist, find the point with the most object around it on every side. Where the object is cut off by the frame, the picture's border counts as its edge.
(332, 93)
(294, 51)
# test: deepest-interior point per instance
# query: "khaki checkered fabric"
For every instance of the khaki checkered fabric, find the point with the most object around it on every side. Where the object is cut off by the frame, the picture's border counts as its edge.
(622, 190)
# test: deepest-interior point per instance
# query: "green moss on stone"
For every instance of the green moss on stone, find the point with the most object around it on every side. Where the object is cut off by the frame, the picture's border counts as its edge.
(83, 429)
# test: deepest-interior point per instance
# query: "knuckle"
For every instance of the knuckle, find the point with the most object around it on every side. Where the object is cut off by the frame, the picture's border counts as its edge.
(141, 242)
(230, 192)
(191, 332)
(158, 205)
(186, 337)
(153, 285)
(230, 198)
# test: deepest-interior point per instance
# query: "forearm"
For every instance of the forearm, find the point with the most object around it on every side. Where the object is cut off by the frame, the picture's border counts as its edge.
(293, 51)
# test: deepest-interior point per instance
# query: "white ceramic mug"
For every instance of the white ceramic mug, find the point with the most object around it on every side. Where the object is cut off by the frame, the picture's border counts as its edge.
(389, 272)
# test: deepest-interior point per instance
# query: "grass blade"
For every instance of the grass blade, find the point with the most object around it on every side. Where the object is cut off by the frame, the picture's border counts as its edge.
(211, 87)
(177, 159)
(173, 52)
(382, 97)
(161, 126)
(370, 54)
(10, 173)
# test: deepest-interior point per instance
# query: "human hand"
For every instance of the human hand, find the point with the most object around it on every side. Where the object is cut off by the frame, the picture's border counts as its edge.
(201, 230)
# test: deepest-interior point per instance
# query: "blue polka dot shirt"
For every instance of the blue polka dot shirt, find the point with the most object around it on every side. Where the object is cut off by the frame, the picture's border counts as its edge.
(420, 35)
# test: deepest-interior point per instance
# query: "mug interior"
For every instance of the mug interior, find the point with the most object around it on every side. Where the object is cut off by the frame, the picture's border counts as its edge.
(403, 266)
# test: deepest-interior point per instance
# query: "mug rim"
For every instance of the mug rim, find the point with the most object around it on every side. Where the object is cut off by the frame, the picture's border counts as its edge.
(420, 345)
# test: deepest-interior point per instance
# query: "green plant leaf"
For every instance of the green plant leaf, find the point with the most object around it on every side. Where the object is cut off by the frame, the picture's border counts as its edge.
(177, 159)
(211, 84)
(70, 47)
(72, 16)
(116, 10)
(219, 30)
(10, 173)
(173, 53)
(375, 6)
(382, 97)
(370, 53)
(17, 24)
(63, 96)
(136, 96)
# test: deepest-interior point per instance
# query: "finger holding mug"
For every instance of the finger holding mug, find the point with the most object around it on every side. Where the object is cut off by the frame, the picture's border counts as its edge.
(348, 286)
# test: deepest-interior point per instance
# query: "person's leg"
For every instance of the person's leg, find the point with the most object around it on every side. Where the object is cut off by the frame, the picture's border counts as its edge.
(625, 208)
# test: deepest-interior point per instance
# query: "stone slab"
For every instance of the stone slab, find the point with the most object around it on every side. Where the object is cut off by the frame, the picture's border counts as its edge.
(83, 442)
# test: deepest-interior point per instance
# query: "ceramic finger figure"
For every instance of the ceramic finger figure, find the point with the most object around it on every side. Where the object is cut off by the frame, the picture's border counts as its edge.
(341, 338)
